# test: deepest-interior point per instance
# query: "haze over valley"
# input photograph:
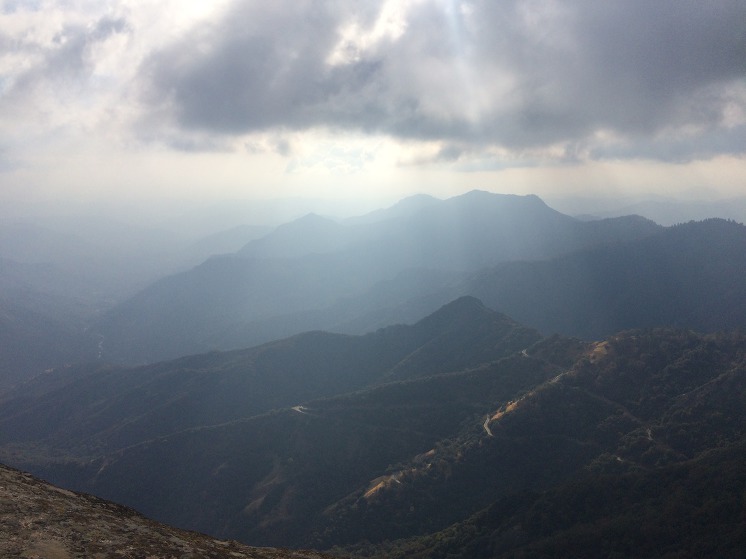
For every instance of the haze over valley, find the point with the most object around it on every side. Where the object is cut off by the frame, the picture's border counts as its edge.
(154, 401)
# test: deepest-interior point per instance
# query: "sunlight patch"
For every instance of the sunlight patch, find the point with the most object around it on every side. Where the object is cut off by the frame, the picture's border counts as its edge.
(354, 40)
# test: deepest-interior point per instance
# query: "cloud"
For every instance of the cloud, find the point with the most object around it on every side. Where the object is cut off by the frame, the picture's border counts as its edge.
(260, 67)
(52, 74)
(63, 60)
(518, 75)
(472, 81)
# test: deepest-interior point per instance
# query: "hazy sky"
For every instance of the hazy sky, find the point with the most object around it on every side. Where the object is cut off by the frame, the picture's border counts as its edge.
(235, 98)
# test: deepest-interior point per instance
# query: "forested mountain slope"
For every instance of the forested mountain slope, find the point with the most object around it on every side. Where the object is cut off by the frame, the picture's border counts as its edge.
(691, 275)
(95, 408)
(448, 461)
(664, 412)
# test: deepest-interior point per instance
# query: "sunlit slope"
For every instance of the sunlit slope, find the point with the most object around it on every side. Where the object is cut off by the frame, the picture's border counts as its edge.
(686, 509)
(660, 415)
(300, 276)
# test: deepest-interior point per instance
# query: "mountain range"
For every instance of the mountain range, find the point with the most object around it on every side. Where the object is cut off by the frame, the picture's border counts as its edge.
(687, 276)
(58, 277)
(550, 271)
(106, 408)
(315, 273)
(409, 458)
(646, 276)
(474, 377)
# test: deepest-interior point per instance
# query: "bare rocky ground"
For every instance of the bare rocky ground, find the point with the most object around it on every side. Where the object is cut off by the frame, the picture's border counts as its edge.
(41, 521)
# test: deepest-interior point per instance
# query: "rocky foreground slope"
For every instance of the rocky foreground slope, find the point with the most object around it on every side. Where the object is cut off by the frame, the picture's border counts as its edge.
(39, 520)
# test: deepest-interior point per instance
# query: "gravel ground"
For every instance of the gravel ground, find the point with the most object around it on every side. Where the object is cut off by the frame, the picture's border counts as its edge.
(41, 521)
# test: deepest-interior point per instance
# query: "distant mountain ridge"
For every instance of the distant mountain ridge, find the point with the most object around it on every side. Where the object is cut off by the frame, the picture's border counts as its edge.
(482, 429)
(318, 264)
(663, 210)
(307, 235)
(691, 276)
(369, 272)
(59, 275)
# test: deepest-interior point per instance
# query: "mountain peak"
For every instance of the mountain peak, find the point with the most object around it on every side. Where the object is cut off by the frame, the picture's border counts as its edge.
(312, 217)
(466, 303)
(311, 233)
(477, 194)
(404, 208)
(509, 206)
(463, 308)
(465, 313)
(416, 200)
(311, 222)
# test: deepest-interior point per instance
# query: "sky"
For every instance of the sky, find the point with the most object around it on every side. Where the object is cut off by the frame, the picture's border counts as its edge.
(133, 100)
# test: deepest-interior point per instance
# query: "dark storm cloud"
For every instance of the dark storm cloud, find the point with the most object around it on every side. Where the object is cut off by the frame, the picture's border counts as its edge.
(514, 74)
(262, 66)
(632, 67)
(642, 66)
(680, 149)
